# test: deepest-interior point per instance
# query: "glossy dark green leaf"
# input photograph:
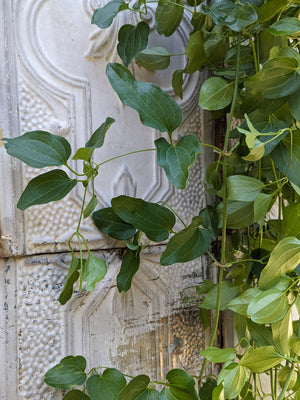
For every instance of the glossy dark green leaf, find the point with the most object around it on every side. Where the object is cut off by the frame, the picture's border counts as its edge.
(284, 258)
(262, 205)
(294, 344)
(235, 17)
(154, 58)
(217, 355)
(268, 10)
(97, 139)
(135, 388)
(210, 220)
(39, 149)
(291, 220)
(234, 378)
(261, 334)
(176, 160)
(293, 102)
(103, 17)
(228, 292)
(286, 157)
(206, 390)
(155, 107)
(149, 394)
(279, 77)
(177, 82)
(106, 386)
(261, 359)
(107, 221)
(51, 186)
(268, 307)
(90, 207)
(190, 243)
(154, 220)
(76, 395)
(168, 16)
(285, 26)
(195, 52)
(239, 214)
(94, 270)
(73, 275)
(132, 40)
(218, 392)
(215, 94)
(129, 267)
(243, 187)
(182, 385)
(213, 176)
(69, 372)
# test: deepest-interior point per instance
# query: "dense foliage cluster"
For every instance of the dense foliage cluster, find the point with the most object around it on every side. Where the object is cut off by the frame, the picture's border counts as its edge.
(251, 49)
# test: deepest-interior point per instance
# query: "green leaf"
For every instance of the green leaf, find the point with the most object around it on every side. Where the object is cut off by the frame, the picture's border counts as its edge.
(129, 267)
(286, 157)
(195, 52)
(277, 78)
(235, 17)
(217, 355)
(215, 93)
(243, 188)
(234, 378)
(268, 307)
(103, 17)
(228, 292)
(268, 10)
(240, 304)
(284, 258)
(39, 149)
(218, 392)
(76, 395)
(261, 359)
(154, 220)
(94, 270)
(210, 220)
(90, 207)
(132, 40)
(177, 82)
(106, 386)
(149, 394)
(190, 243)
(291, 220)
(293, 102)
(239, 214)
(71, 278)
(135, 388)
(155, 107)
(168, 16)
(107, 221)
(286, 26)
(283, 375)
(294, 344)
(154, 58)
(282, 331)
(182, 385)
(176, 160)
(262, 205)
(97, 139)
(206, 390)
(261, 334)
(83, 154)
(51, 186)
(69, 372)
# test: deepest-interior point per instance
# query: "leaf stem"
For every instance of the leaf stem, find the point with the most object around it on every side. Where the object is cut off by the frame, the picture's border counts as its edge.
(171, 2)
(286, 384)
(123, 155)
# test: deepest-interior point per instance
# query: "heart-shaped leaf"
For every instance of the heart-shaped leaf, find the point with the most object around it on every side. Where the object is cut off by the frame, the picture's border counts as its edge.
(261, 359)
(132, 40)
(106, 386)
(215, 93)
(268, 307)
(103, 17)
(168, 16)
(76, 395)
(51, 186)
(154, 58)
(94, 270)
(135, 388)
(176, 160)
(69, 372)
(155, 107)
(190, 243)
(285, 26)
(154, 220)
(39, 149)
(107, 221)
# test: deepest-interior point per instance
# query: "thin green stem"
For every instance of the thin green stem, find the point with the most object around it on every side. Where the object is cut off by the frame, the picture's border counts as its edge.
(219, 151)
(254, 53)
(174, 4)
(81, 260)
(174, 212)
(82, 209)
(73, 171)
(286, 384)
(123, 155)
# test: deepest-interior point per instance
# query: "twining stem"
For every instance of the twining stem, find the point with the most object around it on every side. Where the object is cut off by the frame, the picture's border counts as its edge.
(123, 155)
(224, 170)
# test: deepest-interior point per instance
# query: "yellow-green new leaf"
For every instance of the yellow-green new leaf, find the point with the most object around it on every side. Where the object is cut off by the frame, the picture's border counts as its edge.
(282, 331)
(261, 359)
(294, 344)
(284, 258)
(268, 307)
